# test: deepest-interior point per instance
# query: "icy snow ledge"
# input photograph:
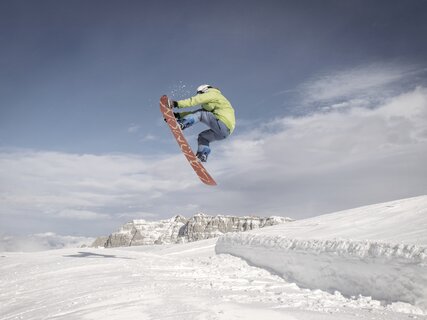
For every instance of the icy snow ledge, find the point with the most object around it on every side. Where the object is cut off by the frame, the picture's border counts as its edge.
(384, 271)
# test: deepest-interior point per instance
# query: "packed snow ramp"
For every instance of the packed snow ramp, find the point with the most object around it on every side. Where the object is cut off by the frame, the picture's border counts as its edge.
(378, 251)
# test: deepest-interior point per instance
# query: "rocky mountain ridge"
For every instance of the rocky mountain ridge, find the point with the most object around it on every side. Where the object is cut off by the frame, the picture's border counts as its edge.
(179, 229)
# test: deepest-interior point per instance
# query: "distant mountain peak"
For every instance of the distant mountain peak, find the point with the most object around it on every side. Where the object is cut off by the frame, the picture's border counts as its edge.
(179, 229)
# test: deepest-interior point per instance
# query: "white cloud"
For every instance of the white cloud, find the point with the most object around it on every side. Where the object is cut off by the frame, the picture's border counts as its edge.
(329, 161)
(292, 166)
(133, 128)
(367, 83)
(80, 214)
(138, 215)
(42, 241)
(149, 137)
(136, 129)
(61, 186)
(353, 103)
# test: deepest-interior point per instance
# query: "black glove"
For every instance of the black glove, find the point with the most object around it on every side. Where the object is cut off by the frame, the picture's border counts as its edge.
(173, 104)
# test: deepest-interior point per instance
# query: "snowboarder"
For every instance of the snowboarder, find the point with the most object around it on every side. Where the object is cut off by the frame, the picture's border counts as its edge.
(217, 113)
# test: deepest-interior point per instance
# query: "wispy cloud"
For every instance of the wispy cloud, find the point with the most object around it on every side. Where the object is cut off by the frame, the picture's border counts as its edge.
(326, 161)
(42, 241)
(133, 128)
(364, 85)
(61, 186)
(149, 137)
(296, 167)
(80, 214)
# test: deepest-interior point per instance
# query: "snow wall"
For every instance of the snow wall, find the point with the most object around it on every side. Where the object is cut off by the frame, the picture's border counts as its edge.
(383, 271)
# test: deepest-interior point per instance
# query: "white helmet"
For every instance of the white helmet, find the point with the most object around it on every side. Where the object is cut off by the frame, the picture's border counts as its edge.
(203, 88)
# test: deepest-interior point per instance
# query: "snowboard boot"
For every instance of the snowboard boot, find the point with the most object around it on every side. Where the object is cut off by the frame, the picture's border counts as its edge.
(203, 153)
(186, 122)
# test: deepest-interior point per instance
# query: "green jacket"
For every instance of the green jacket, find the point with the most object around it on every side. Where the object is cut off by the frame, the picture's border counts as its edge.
(215, 102)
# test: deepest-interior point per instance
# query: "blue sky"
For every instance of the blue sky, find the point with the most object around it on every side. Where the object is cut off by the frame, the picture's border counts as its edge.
(83, 145)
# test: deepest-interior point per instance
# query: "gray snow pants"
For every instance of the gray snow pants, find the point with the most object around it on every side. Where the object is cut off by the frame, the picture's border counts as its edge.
(218, 130)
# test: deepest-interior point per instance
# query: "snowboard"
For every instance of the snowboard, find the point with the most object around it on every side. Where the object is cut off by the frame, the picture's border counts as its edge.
(182, 142)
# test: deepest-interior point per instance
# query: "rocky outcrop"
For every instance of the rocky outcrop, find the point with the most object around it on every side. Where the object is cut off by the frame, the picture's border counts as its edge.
(202, 226)
(142, 232)
(180, 229)
(99, 242)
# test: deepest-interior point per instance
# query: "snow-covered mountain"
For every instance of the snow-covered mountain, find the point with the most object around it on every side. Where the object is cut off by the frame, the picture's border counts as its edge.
(360, 264)
(180, 229)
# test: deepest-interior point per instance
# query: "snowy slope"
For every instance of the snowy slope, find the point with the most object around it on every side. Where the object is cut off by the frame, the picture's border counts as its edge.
(189, 281)
(378, 251)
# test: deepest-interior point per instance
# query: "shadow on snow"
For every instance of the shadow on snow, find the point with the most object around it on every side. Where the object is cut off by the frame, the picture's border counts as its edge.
(85, 254)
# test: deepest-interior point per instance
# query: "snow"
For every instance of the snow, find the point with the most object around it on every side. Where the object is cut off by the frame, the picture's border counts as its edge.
(192, 281)
(378, 251)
